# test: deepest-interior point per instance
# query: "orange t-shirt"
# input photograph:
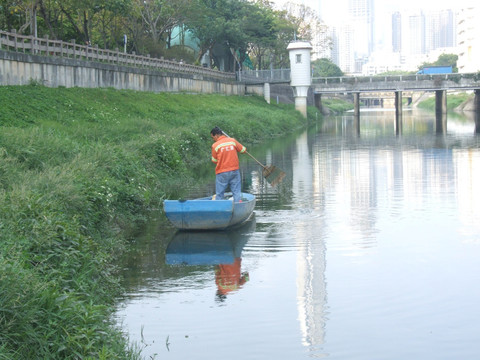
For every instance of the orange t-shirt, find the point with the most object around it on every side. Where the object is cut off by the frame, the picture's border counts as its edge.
(224, 154)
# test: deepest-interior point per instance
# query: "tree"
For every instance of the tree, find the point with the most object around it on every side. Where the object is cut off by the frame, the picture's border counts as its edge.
(448, 59)
(443, 60)
(325, 68)
(19, 15)
(241, 28)
(259, 27)
(233, 24)
(206, 24)
(296, 22)
(262, 26)
(286, 30)
(109, 22)
(160, 16)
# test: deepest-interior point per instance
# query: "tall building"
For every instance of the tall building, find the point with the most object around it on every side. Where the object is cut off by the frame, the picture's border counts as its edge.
(439, 30)
(397, 32)
(414, 41)
(321, 42)
(343, 48)
(353, 34)
(416, 35)
(446, 30)
(468, 40)
(362, 18)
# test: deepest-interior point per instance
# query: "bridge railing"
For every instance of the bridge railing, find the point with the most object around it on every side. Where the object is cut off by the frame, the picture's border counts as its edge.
(263, 76)
(455, 77)
(11, 41)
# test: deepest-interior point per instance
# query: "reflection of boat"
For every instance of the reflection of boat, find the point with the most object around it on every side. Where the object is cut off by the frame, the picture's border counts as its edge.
(207, 247)
(208, 214)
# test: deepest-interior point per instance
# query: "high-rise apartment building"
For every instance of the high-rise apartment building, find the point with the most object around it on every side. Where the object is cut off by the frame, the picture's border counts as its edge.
(414, 41)
(416, 36)
(361, 16)
(418, 33)
(396, 32)
(468, 40)
(439, 30)
(343, 45)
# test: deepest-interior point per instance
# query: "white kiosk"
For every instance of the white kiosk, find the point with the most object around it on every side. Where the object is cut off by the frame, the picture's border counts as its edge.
(300, 73)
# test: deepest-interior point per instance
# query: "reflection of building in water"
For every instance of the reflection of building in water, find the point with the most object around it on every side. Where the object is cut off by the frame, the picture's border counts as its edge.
(467, 170)
(356, 178)
(311, 287)
(311, 291)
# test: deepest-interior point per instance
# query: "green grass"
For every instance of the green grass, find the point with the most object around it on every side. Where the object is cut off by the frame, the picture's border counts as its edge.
(79, 169)
(453, 100)
(337, 106)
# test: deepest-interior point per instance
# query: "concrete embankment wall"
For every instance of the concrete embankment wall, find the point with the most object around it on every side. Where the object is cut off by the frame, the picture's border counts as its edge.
(22, 69)
(283, 93)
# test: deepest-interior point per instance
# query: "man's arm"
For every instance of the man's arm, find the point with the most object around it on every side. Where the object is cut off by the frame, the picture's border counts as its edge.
(240, 148)
(214, 156)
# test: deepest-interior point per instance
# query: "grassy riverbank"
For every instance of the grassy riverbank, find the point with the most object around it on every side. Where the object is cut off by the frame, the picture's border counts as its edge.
(453, 101)
(78, 168)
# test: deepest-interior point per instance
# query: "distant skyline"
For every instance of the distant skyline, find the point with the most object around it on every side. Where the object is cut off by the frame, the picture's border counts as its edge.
(334, 13)
(332, 9)
(423, 30)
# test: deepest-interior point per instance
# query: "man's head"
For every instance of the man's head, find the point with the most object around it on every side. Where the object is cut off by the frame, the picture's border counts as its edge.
(216, 132)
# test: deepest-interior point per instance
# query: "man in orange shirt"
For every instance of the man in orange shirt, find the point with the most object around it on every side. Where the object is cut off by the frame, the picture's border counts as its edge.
(224, 155)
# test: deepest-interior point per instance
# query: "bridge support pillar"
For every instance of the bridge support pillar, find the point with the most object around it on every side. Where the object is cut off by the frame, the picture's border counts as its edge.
(300, 93)
(356, 111)
(398, 112)
(477, 111)
(356, 104)
(441, 110)
(318, 102)
(266, 92)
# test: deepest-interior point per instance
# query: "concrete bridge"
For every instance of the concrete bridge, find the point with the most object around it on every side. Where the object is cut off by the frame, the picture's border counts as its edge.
(398, 84)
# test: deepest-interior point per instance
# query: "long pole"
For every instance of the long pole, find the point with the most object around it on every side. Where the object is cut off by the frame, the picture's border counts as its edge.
(246, 152)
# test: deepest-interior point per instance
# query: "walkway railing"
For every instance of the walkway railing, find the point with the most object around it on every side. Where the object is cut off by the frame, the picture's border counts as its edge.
(263, 76)
(456, 77)
(415, 82)
(12, 41)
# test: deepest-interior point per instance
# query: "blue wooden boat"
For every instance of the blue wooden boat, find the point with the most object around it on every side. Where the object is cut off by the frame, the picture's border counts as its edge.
(208, 214)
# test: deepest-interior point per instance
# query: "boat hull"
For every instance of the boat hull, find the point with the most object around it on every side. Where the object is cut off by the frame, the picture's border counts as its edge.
(208, 214)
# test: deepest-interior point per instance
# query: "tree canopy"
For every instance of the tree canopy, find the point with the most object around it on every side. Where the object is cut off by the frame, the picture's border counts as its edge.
(325, 68)
(444, 60)
(247, 29)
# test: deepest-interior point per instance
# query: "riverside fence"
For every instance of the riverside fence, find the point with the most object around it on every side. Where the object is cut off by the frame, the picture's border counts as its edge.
(264, 76)
(11, 41)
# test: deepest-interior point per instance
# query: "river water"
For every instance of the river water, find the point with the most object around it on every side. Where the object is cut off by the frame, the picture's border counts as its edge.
(369, 249)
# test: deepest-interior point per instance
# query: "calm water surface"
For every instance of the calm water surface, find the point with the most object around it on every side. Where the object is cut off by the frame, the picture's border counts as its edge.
(368, 250)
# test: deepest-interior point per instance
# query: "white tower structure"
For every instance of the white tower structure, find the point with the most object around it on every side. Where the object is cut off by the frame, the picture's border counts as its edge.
(468, 40)
(300, 72)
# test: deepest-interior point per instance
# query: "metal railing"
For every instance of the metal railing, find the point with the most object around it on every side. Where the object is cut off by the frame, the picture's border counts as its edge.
(263, 76)
(416, 82)
(11, 41)
(456, 77)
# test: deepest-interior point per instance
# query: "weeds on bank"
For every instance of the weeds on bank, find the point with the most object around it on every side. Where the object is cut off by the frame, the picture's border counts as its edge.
(453, 101)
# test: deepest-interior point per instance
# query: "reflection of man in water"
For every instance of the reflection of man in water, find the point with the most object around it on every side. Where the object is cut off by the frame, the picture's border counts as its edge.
(228, 278)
